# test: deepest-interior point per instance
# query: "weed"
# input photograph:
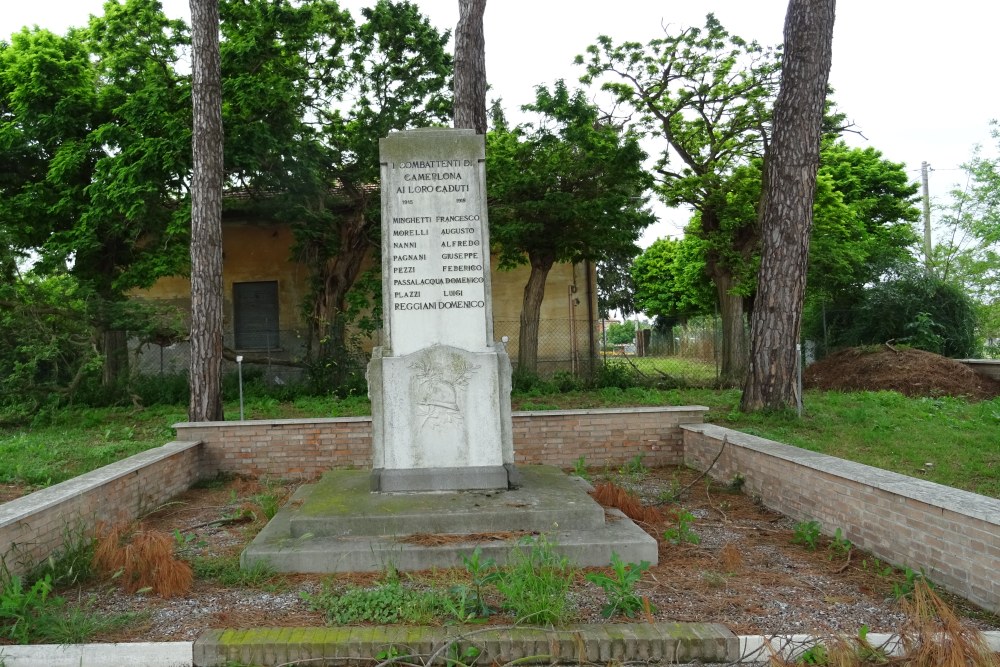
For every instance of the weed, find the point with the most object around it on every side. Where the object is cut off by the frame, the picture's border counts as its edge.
(814, 655)
(72, 563)
(580, 468)
(32, 614)
(390, 653)
(227, 571)
(839, 545)
(877, 567)
(736, 484)
(389, 602)
(535, 584)
(902, 590)
(620, 589)
(22, 607)
(482, 573)
(682, 532)
(807, 533)
(713, 579)
(671, 494)
(456, 656)
(269, 504)
(634, 467)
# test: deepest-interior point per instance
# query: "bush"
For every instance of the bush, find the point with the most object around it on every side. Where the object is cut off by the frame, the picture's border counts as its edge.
(917, 310)
(617, 374)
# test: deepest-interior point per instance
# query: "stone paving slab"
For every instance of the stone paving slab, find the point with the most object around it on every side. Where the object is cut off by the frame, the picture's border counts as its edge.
(666, 642)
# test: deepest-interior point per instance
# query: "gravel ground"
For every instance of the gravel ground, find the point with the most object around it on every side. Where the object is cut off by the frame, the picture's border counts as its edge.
(744, 571)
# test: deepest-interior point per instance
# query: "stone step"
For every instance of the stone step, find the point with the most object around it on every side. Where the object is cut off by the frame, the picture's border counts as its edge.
(340, 504)
(341, 527)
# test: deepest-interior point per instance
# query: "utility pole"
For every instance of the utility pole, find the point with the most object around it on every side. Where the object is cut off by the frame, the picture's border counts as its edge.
(924, 168)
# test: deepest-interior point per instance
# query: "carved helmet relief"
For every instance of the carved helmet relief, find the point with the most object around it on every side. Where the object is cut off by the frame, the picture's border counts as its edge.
(439, 377)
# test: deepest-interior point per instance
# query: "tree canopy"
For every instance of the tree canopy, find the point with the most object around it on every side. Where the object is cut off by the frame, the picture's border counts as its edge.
(566, 188)
(863, 230)
(707, 94)
(95, 137)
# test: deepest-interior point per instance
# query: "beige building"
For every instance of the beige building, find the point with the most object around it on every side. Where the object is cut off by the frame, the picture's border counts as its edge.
(265, 290)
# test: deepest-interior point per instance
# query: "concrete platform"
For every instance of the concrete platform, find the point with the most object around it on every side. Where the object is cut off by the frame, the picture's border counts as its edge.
(337, 525)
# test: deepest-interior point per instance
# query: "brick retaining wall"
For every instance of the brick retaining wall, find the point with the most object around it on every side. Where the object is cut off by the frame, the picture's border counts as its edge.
(953, 535)
(34, 526)
(305, 448)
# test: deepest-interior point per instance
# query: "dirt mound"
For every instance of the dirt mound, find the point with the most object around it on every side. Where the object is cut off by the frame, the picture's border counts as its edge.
(910, 372)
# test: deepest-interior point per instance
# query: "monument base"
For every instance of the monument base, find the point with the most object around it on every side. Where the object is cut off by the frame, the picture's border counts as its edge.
(441, 419)
(335, 525)
(478, 478)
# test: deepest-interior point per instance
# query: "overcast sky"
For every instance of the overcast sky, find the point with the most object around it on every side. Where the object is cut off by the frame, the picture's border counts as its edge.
(915, 77)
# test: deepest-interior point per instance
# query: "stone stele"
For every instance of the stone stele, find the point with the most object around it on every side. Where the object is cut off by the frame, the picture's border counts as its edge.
(439, 384)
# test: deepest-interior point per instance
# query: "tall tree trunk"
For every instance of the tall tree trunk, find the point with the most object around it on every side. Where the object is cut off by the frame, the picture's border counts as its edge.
(735, 348)
(787, 218)
(337, 274)
(531, 308)
(470, 66)
(206, 215)
(114, 348)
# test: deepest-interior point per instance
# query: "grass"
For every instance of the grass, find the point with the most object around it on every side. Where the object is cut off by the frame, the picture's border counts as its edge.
(883, 429)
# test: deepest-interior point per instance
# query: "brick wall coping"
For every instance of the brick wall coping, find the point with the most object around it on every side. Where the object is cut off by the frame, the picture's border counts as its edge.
(275, 422)
(21, 508)
(521, 413)
(612, 411)
(948, 498)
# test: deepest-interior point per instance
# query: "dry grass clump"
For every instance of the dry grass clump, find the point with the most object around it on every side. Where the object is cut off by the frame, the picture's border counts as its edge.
(730, 558)
(142, 560)
(933, 636)
(610, 494)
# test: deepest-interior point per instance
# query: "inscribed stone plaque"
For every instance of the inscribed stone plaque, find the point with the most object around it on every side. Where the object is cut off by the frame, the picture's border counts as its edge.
(435, 244)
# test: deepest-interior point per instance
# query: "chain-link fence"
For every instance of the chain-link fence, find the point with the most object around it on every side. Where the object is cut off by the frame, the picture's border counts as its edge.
(279, 363)
(685, 356)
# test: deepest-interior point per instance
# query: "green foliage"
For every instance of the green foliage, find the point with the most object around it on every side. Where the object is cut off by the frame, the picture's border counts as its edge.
(226, 570)
(620, 588)
(566, 188)
(904, 589)
(634, 467)
(670, 279)
(615, 374)
(915, 309)
(30, 613)
(807, 533)
(482, 573)
(839, 545)
(535, 583)
(682, 533)
(389, 602)
(72, 564)
(814, 655)
(968, 252)
(22, 608)
(706, 96)
(98, 122)
(569, 187)
(621, 333)
(580, 468)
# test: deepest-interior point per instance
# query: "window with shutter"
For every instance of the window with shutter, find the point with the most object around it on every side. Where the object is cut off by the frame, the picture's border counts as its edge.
(255, 315)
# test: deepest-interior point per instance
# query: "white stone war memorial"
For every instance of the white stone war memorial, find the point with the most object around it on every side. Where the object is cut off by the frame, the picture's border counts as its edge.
(439, 384)
(442, 445)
